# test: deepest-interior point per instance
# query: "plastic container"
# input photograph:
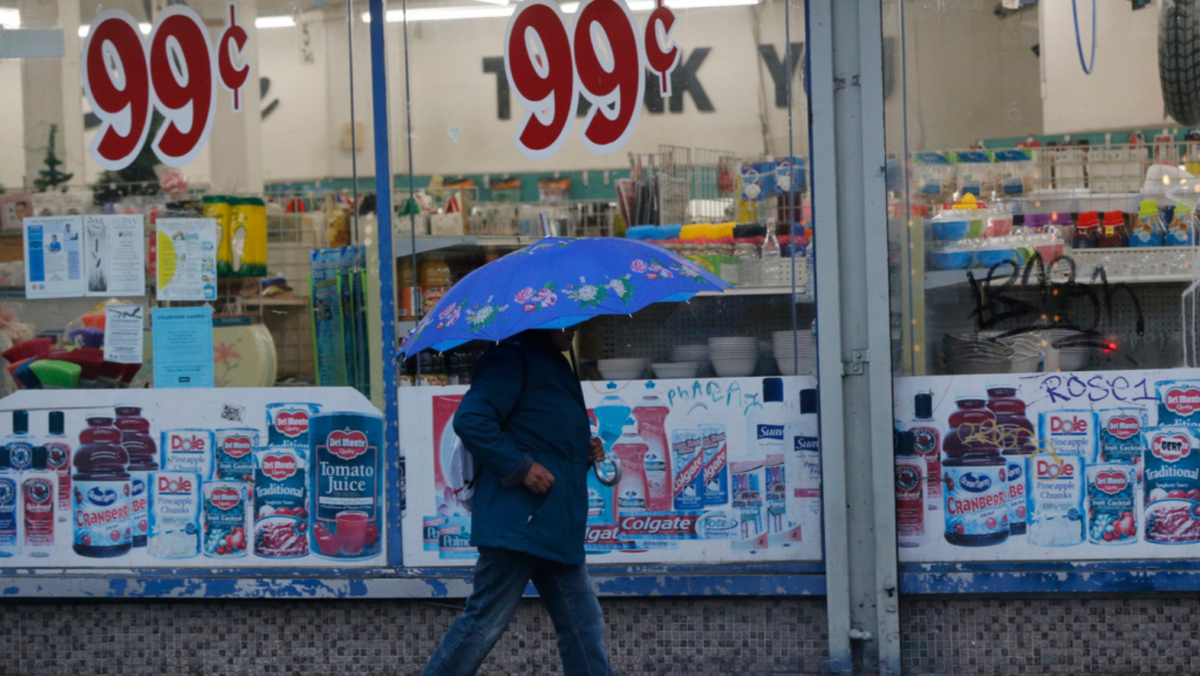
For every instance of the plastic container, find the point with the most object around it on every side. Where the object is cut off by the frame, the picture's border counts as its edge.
(1087, 231)
(1148, 231)
(1112, 233)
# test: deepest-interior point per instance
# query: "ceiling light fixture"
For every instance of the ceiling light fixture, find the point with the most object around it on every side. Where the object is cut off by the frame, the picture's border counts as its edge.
(468, 12)
(286, 21)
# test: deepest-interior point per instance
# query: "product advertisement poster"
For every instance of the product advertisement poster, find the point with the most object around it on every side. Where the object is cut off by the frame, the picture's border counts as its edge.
(53, 265)
(114, 255)
(712, 470)
(236, 478)
(187, 259)
(1049, 467)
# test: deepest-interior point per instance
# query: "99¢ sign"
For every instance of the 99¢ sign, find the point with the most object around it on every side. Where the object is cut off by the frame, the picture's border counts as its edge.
(126, 76)
(604, 59)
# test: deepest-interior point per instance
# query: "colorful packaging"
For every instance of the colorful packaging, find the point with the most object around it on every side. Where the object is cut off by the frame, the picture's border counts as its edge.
(347, 485)
(102, 514)
(235, 454)
(1016, 469)
(174, 515)
(747, 495)
(1178, 402)
(225, 515)
(976, 495)
(716, 466)
(1055, 490)
(1072, 432)
(775, 494)
(288, 424)
(910, 500)
(430, 527)
(139, 505)
(718, 525)
(687, 461)
(188, 450)
(280, 502)
(38, 496)
(1171, 483)
(10, 512)
(1112, 517)
(1121, 434)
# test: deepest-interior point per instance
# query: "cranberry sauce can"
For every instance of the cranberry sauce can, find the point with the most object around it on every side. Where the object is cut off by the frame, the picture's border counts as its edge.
(235, 454)
(1121, 434)
(1112, 517)
(347, 484)
(288, 424)
(280, 502)
(1178, 402)
(1171, 482)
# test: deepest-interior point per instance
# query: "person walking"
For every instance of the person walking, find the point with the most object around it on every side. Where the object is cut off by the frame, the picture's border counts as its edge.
(526, 425)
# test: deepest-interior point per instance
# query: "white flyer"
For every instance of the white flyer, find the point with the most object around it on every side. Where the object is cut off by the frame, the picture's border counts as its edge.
(53, 265)
(123, 333)
(187, 259)
(114, 255)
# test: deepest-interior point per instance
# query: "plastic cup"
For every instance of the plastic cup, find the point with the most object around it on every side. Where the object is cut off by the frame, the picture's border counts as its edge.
(352, 531)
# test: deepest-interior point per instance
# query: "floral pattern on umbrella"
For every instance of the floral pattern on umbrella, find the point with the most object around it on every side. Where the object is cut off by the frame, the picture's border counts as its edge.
(542, 299)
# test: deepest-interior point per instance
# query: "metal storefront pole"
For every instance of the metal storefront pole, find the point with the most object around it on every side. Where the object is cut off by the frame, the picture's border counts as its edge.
(847, 149)
(387, 267)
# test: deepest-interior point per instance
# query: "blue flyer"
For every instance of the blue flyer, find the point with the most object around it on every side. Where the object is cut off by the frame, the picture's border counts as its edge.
(183, 346)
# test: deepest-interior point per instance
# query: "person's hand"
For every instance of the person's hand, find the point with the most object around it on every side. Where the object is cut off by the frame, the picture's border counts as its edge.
(538, 479)
(596, 450)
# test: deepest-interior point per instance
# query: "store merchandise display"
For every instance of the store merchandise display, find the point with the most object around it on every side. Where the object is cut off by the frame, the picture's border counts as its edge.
(306, 482)
(733, 357)
(729, 472)
(794, 352)
(1025, 469)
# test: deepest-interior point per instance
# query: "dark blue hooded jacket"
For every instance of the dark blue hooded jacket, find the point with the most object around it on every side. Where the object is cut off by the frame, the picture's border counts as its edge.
(526, 405)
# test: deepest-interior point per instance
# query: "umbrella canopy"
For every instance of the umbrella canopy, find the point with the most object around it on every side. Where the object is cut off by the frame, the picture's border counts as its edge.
(557, 283)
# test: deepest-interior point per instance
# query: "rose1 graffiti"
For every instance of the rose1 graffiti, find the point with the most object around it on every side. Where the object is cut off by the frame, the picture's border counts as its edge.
(1016, 300)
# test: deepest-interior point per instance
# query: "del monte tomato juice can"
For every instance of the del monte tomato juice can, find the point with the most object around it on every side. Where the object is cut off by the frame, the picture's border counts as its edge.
(288, 424)
(1178, 402)
(1171, 481)
(347, 485)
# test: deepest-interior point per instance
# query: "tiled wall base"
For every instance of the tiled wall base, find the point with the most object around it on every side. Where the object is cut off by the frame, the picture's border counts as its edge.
(1113, 636)
(696, 637)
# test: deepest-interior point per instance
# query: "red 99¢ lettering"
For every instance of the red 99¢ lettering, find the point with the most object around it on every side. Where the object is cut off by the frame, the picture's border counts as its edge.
(126, 76)
(603, 59)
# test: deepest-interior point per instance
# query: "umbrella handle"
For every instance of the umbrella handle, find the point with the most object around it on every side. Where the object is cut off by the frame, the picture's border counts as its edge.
(605, 481)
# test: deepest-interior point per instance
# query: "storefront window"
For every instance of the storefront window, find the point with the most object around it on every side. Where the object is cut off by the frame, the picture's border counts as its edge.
(1043, 235)
(690, 136)
(180, 210)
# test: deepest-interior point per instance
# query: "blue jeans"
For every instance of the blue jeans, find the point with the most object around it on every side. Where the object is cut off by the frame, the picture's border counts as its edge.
(500, 579)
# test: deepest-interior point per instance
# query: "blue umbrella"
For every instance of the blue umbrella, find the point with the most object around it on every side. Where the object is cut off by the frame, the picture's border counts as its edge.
(555, 284)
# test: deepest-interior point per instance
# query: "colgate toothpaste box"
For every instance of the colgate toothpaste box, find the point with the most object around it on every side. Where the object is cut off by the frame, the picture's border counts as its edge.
(188, 450)
(1178, 402)
(1072, 432)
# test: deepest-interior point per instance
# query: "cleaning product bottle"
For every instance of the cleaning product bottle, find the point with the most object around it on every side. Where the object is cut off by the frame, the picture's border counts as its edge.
(1112, 234)
(911, 482)
(802, 463)
(38, 488)
(632, 492)
(1181, 231)
(1148, 231)
(20, 443)
(10, 507)
(927, 443)
(58, 458)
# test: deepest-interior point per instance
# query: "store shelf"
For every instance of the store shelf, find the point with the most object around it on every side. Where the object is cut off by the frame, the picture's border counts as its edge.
(404, 243)
(1172, 265)
(801, 294)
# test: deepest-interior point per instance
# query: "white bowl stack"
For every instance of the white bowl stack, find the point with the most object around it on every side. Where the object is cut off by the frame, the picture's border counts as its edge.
(681, 354)
(1027, 351)
(1073, 350)
(631, 368)
(677, 369)
(790, 353)
(733, 356)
